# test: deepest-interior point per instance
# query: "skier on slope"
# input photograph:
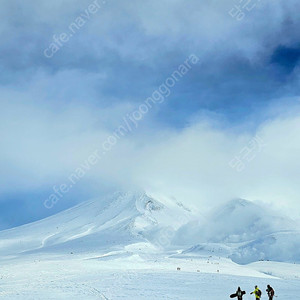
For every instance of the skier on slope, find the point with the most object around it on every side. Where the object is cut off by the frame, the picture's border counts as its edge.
(256, 292)
(270, 292)
(239, 294)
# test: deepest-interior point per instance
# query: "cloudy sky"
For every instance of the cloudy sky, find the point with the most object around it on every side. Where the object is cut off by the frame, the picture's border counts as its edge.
(229, 127)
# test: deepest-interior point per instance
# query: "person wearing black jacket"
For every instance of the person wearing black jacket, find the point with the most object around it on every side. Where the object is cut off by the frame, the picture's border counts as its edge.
(270, 292)
(239, 294)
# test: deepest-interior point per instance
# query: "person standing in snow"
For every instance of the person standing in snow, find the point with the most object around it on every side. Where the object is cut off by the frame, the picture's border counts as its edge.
(239, 294)
(270, 292)
(256, 292)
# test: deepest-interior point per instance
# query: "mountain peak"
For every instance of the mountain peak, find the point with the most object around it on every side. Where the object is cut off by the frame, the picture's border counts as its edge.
(121, 217)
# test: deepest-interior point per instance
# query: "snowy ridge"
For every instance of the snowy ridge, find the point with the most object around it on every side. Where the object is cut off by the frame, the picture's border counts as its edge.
(244, 231)
(280, 246)
(234, 222)
(134, 222)
(132, 245)
(118, 220)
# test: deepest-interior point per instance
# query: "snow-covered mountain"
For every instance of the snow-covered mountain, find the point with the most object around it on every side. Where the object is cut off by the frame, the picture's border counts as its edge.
(279, 246)
(124, 222)
(107, 223)
(233, 222)
(245, 232)
(133, 246)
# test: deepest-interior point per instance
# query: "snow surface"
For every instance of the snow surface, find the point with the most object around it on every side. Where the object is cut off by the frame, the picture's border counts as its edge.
(129, 246)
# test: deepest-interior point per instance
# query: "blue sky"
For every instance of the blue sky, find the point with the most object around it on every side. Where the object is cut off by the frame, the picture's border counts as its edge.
(55, 111)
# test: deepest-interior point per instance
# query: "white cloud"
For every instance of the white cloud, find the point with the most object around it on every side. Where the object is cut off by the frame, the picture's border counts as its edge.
(48, 127)
(42, 145)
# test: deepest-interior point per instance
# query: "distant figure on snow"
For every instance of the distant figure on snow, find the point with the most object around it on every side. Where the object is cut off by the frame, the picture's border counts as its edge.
(256, 292)
(270, 292)
(239, 294)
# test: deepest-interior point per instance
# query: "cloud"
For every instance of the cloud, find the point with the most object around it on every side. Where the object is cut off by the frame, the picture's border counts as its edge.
(193, 163)
(153, 37)
(43, 146)
(55, 112)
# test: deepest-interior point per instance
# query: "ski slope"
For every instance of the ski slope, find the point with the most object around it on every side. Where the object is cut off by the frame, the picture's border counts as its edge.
(116, 277)
(129, 246)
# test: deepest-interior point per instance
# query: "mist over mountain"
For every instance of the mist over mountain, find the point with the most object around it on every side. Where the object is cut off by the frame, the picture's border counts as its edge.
(243, 230)
(234, 222)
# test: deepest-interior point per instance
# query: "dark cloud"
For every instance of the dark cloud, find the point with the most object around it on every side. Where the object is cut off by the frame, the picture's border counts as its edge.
(286, 57)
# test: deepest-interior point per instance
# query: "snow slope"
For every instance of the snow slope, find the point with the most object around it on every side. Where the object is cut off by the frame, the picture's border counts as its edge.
(280, 246)
(239, 229)
(236, 221)
(245, 232)
(113, 222)
(77, 280)
(129, 246)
